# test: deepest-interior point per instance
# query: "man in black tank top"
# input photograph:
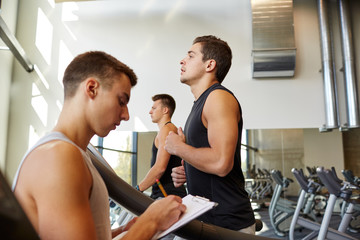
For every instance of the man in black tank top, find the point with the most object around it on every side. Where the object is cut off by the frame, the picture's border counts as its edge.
(210, 143)
(162, 162)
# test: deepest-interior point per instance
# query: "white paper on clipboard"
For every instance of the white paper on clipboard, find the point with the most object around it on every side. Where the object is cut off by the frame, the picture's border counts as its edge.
(195, 206)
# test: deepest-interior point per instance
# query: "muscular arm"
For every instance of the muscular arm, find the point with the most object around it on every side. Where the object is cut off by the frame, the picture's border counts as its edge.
(115, 232)
(54, 188)
(220, 116)
(162, 160)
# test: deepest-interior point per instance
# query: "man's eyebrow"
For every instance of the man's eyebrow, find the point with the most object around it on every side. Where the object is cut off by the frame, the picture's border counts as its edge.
(191, 52)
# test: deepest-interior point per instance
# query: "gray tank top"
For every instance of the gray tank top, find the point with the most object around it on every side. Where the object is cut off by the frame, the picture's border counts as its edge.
(99, 200)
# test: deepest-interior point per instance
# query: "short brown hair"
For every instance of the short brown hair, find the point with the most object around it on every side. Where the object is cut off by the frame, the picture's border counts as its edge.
(98, 64)
(217, 49)
(167, 101)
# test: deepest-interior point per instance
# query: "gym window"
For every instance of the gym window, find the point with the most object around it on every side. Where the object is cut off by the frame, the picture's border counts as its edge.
(119, 148)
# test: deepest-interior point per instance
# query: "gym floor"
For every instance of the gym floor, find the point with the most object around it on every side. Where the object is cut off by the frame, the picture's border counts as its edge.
(267, 230)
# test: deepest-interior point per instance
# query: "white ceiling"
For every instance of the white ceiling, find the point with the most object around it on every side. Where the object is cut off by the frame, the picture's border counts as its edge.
(59, 1)
(100, 8)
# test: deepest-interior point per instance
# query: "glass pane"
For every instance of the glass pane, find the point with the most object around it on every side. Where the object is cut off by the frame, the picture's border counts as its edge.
(120, 162)
(95, 140)
(119, 140)
(112, 147)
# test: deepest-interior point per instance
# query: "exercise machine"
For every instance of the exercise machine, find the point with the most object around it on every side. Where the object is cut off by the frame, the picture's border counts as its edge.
(259, 189)
(336, 189)
(354, 225)
(281, 209)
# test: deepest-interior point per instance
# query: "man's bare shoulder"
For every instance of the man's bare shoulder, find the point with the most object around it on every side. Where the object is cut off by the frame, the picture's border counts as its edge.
(55, 153)
(164, 131)
(53, 181)
(221, 100)
(221, 96)
(221, 106)
(55, 161)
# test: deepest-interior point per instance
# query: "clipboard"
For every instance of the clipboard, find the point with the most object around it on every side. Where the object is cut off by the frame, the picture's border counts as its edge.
(195, 206)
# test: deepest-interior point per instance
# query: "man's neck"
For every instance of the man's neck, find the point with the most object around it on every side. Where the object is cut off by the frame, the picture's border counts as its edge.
(73, 127)
(163, 122)
(201, 86)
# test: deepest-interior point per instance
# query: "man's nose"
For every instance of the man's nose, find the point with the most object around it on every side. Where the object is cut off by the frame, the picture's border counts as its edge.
(125, 114)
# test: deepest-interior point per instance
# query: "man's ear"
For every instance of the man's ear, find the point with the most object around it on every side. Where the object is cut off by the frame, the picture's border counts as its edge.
(211, 65)
(91, 87)
(165, 110)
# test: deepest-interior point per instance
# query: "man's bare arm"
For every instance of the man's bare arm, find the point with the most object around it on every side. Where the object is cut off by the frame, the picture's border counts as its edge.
(54, 188)
(162, 160)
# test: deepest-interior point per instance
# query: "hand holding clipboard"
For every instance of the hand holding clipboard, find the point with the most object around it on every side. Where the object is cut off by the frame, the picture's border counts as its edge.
(195, 206)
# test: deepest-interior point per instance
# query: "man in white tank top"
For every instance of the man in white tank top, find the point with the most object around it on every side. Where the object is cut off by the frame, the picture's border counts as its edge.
(60, 190)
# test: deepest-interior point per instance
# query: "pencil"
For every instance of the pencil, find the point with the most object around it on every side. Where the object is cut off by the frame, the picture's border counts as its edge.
(161, 187)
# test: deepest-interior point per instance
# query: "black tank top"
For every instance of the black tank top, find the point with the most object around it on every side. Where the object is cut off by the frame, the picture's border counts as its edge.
(166, 179)
(234, 210)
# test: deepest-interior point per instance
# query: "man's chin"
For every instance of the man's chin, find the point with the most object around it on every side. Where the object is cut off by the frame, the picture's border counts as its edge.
(183, 80)
(104, 134)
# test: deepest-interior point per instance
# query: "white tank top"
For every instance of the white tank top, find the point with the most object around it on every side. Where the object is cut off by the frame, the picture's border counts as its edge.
(99, 200)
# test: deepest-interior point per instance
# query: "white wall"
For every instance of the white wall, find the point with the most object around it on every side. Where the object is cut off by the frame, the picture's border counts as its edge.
(323, 149)
(152, 39)
(145, 141)
(8, 13)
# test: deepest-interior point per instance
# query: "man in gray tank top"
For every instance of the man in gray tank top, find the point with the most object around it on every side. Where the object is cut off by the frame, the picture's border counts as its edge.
(210, 143)
(59, 189)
